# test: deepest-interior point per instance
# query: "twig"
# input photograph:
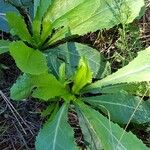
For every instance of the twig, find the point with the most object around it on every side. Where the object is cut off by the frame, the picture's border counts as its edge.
(136, 108)
(14, 111)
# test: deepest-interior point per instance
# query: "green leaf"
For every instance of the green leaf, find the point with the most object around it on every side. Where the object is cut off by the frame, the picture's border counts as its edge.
(4, 8)
(57, 134)
(18, 25)
(78, 16)
(121, 106)
(36, 5)
(45, 87)
(27, 59)
(48, 110)
(82, 76)
(4, 46)
(54, 112)
(41, 7)
(137, 70)
(8, 6)
(46, 31)
(71, 53)
(110, 133)
(48, 87)
(90, 139)
(22, 88)
(62, 73)
(140, 89)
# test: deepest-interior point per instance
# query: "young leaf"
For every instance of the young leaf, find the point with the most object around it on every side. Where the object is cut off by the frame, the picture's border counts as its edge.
(121, 106)
(27, 59)
(48, 110)
(18, 25)
(71, 53)
(41, 6)
(137, 70)
(22, 88)
(57, 134)
(108, 132)
(46, 31)
(62, 73)
(78, 16)
(4, 46)
(48, 87)
(54, 112)
(82, 76)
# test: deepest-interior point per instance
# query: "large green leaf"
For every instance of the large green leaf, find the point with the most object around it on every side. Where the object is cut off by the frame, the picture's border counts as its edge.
(19, 27)
(110, 133)
(140, 89)
(44, 87)
(48, 87)
(4, 46)
(22, 88)
(27, 59)
(71, 53)
(91, 141)
(137, 70)
(82, 16)
(121, 107)
(57, 134)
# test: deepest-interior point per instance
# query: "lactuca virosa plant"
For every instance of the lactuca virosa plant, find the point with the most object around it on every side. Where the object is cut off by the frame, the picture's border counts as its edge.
(63, 74)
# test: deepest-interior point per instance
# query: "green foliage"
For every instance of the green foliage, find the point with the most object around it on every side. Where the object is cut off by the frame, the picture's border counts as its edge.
(19, 27)
(90, 138)
(137, 70)
(57, 134)
(4, 46)
(28, 59)
(127, 44)
(71, 53)
(22, 88)
(121, 106)
(141, 88)
(82, 76)
(41, 8)
(13, 6)
(104, 14)
(48, 111)
(109, 133)
(45, 87)
(48, 87)
(63, 74)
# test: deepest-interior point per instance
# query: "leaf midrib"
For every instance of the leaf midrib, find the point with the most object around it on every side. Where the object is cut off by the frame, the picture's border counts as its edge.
(106, 129)
(57, 127)
(64, 30)
(126, 75)
(117, 104)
